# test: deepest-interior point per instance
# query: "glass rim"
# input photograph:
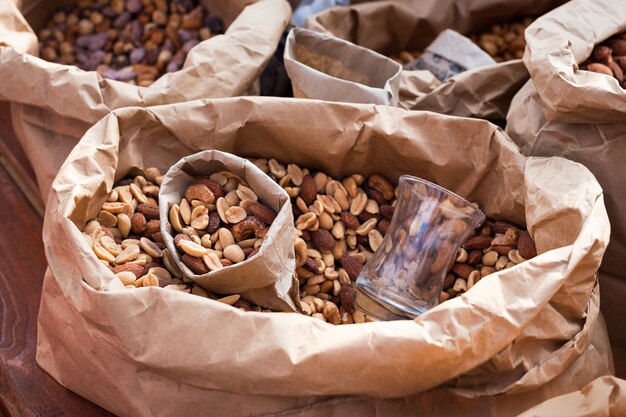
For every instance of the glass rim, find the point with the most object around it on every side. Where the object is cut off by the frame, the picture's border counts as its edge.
(452, 194)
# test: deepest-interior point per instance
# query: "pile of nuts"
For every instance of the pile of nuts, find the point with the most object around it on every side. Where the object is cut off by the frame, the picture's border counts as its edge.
(609, 58)
(339, 226)
(219, 222)
(135, 41)
(126, 237)
(504, 41)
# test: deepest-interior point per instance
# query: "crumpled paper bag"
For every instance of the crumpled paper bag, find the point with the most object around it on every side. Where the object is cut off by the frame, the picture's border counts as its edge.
(324, 67)
(53, 104)
(389, 27)
(604, 397)
(584, 101)
(266, 279)
(525, 333)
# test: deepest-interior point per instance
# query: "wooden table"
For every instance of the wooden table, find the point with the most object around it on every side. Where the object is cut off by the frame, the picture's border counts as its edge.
(25, 389)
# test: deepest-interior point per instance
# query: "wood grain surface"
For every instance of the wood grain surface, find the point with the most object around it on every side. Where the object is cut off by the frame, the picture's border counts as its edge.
(25, 389)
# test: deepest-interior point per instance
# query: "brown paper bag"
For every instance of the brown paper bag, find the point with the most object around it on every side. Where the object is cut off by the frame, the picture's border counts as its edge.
(267, 279)
(53, 104)
(389, 27)
(527, 333)
(327, 68)
(580, 98)
(604, 397)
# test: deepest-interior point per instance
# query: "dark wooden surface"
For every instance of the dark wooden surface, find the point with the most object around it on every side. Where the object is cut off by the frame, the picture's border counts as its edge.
(25, 389)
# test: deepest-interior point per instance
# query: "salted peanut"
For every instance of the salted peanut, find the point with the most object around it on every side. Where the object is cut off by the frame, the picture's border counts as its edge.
(127, 277)
(201, 222)
(206, 241)
(338, 230)
(212, 261)
(129, 254)
(246, 193)
(247, 243)
(351, 241)
(124, 194)
(160, 273)
(460, 285)
(190, 231)
(461, 256)
(199, 291)
(276, 168)
(109, 244)
(358, 204)
(366, 227)
(219, 178)
(350, 186)
(315, 280)
(501, 263)
(341, 197)
(152, 173)
(235, 214)
(331, 274)
(301, 205)
(177, 287)
(234, 253)
(473, 278)
(314, 253)
(102, 253)
(295, 173)
(175, 219)
(515, 257)
(329, 259)
(139, 282)
(490, 258)
(191, 248)
(229, 299)
(90, 227)
(311, 289)
(113, 196)
(149, 280)
(185, 211)
(225, 237)
(151, 248)
(232, 198)
(138, 194)
(292, 191)
(318, 316)
(307, 221)
(301, 251)
(336, 287)
(222, 206)
(123, 224)
(106, 219)
(114, 208)
(375, 239)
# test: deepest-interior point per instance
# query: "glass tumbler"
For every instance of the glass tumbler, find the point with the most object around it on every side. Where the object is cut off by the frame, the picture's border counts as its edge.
(406, 273)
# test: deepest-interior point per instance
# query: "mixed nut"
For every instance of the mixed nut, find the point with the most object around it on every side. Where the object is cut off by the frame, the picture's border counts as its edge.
(504, 41)
(219, 222)
(339, 226)
(135, 41)
(609, 58)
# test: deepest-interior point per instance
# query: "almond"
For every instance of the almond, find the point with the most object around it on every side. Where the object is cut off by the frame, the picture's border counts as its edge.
(308, 190)
(134, 268)
(214, 222)
(477, 242)
(383, 225)
(138, 223)
(386, 211)
(500, 227)
(347, 294)
(352, 266)
(200, 192)
(149, 211)
(324, 241)
(349, 220)
(196, 265)
(474, 256)
(526, 246)
(214, 186)
(178, 238)
(261, 212)
(152, 227)
(599, 68)
(462, 270)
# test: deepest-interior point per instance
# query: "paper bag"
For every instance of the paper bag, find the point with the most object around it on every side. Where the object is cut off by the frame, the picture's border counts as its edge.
(604, 397)
(266, 279)
(389, 27)
(580, 97)
(525, 333)
(328, 68)
(53, 104)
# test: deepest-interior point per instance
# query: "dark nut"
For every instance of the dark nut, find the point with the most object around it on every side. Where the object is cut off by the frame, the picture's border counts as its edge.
(248, 228)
